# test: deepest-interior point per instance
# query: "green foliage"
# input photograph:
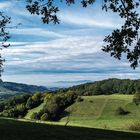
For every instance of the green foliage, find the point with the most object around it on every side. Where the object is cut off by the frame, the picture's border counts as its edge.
(19, 99)
(107, 87)
(19, 110)
(30, 103)
(34, 101)
(79, 99)
(17, 106)
(48, 97)
(35, 116)
(56, 105)
(44, 117)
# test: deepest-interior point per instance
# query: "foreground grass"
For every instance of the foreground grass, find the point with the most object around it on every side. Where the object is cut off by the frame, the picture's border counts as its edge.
(15, 130)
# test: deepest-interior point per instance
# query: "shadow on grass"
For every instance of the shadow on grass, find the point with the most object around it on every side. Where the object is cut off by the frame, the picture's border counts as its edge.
(16, 130)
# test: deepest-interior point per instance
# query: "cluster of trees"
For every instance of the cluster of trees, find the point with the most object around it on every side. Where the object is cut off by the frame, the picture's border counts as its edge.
(17, 106)
(109, 86)
(54, 108)
(34, 101)
(14, 106)
(55, 104)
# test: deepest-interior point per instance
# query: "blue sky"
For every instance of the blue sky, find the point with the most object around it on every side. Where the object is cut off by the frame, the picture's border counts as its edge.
(65, 54)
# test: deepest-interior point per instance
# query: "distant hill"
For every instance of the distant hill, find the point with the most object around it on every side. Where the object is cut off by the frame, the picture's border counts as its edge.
(106, 87)
(11, 88)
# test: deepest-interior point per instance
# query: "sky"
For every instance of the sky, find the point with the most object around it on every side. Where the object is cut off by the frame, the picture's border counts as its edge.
(61, 55)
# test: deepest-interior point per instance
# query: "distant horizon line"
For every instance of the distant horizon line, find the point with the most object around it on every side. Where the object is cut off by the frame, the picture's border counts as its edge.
(79, 82)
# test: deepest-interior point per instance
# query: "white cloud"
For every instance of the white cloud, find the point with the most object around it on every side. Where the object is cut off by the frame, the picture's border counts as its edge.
(4, 5)
(56, 50)
(37, 32)
(73, 54)
(90, 19)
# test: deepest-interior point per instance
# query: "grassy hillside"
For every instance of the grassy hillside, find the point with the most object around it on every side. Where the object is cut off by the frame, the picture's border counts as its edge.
(14, 130)
(100, 111)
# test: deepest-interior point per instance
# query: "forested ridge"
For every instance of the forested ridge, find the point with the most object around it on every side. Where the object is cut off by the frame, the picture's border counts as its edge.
(109, 86)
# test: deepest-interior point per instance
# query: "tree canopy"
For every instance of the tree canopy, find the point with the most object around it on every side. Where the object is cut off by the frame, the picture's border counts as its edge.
(124, 40)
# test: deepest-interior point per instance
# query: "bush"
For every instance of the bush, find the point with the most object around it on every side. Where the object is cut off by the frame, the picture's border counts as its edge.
(121, 111)
(37, 97)
(32, 103)
(35, 116)
(91, 101)
(79, 99)
(44, 117)
(21, 110)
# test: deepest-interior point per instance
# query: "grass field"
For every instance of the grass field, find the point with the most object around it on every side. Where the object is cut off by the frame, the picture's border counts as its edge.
(16, 130)
(100, 112)
(85, 118)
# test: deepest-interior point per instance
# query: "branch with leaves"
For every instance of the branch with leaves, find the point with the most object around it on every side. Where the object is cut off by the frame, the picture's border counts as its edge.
(125, 40)
(4, 36)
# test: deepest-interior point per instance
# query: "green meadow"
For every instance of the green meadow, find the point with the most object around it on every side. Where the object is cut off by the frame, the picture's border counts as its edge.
(99, 112)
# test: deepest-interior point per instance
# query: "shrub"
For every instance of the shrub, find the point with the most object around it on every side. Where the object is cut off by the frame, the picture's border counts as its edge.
(35, 116)
(121, 111)
(91, 101)
(32, 103)
(48, 97)
(21, 110)
(37, 97)
(44, 117)
(79, 99)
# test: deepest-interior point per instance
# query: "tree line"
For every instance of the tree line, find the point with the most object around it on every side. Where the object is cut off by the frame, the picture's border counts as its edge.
(107, 87)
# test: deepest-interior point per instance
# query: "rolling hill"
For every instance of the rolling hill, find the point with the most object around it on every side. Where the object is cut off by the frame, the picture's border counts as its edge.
(11, 88)
(98, 112)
